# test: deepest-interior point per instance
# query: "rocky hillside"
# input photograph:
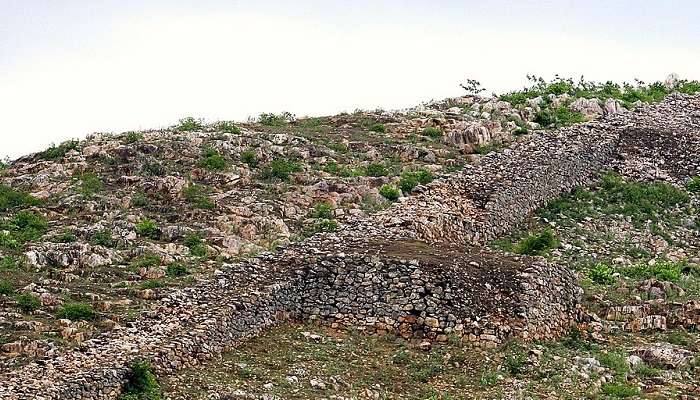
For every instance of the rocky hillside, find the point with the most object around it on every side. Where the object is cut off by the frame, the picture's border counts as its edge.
(95, 231)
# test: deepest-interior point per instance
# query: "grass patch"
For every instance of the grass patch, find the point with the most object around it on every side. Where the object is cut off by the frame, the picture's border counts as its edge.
(271, 119)
(27, 302)
(322, 210)
(280, 168)
(132, 137)
(194, 242)
(411, 179)
(189, 124)
(58, 152)
(6, 287)
(77, 312)
(102, 238)
(10, 199)
(149, 229)
(390, 192)
(662, 270)
(141, 383)
(601, 273)
(176, 269)
(537, 244)
(249, 158)
(146, 260)
(213, 160)
(432, 132)
(90, 183)
(379, 128)
(228, 127)
(197, 195)
(24, 227)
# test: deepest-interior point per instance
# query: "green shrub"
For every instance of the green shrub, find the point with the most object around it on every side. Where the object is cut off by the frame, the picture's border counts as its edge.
(139, 199)
(152, 284)
(176, 269)
(322, 210)
(146, 260)
(213, 160)
(389, 192)
(558, 117)
(280, 169)
(515, 363)
(662, 270)
(90, 183)
(8, 262)
(6, 287)
(270, 119)
(197, 195)
(488, 148)
(379, 128)
(601, 273)
(693, 185)
(27, 302)
(337, 147)
(619, 390)
(189, 124)
(58, 152)
(25, 226)
(153, 169)
(411, 179)
(76, 312)
(432, 132)
(250, 158)
(615, 361)
(228, 127)
(102, 238)
(141, 383)
(321, 225)
(376, 169)
(132, 137)
(10, 198)
(65, 237)
(148, 229)
(537, 244)
(196, 245)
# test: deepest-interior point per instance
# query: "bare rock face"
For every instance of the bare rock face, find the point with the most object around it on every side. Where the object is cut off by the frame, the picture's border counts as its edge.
(590, 108)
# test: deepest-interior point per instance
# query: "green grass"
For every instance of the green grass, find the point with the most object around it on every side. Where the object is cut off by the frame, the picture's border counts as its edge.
(537, 244)
(693, 185)
(228, 127)
(626, 93)
(189, 124)
(176, 269)
(619, 390)
(411, 179)
(390, 192)
(153, 169)
(322, 210)
(148, 228)
(27, 302)
(641, 201)
(11, 199)
(250, 158)
(146, 260)
(376, 169)
(662, 270)
(90, 183)
(432, 132)
(141, 383)
(379, 128)
(194, 242)
(198, 195)
(558, 117)
(24, 227)
(102, 238)
(132, 137)
(58, 152)
(280, 169)
(602, 274)
(64, 237)
(488, 148)
(271, 119)
(6, 287)
(76, 312)
(321, 225)
(213, 160)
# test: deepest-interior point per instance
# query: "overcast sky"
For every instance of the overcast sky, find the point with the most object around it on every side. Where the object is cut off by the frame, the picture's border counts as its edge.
(69, 67)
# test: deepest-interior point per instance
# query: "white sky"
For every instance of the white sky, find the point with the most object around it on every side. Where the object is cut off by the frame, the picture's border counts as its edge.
(69, 67)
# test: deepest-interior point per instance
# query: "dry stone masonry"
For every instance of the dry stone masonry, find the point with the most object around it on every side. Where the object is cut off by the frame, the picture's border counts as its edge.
(414, 269)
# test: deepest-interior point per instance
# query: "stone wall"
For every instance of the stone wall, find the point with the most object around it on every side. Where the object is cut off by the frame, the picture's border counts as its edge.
(409, 269)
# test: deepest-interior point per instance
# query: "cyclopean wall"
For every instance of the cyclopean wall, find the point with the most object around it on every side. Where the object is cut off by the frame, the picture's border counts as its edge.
(408, 269)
